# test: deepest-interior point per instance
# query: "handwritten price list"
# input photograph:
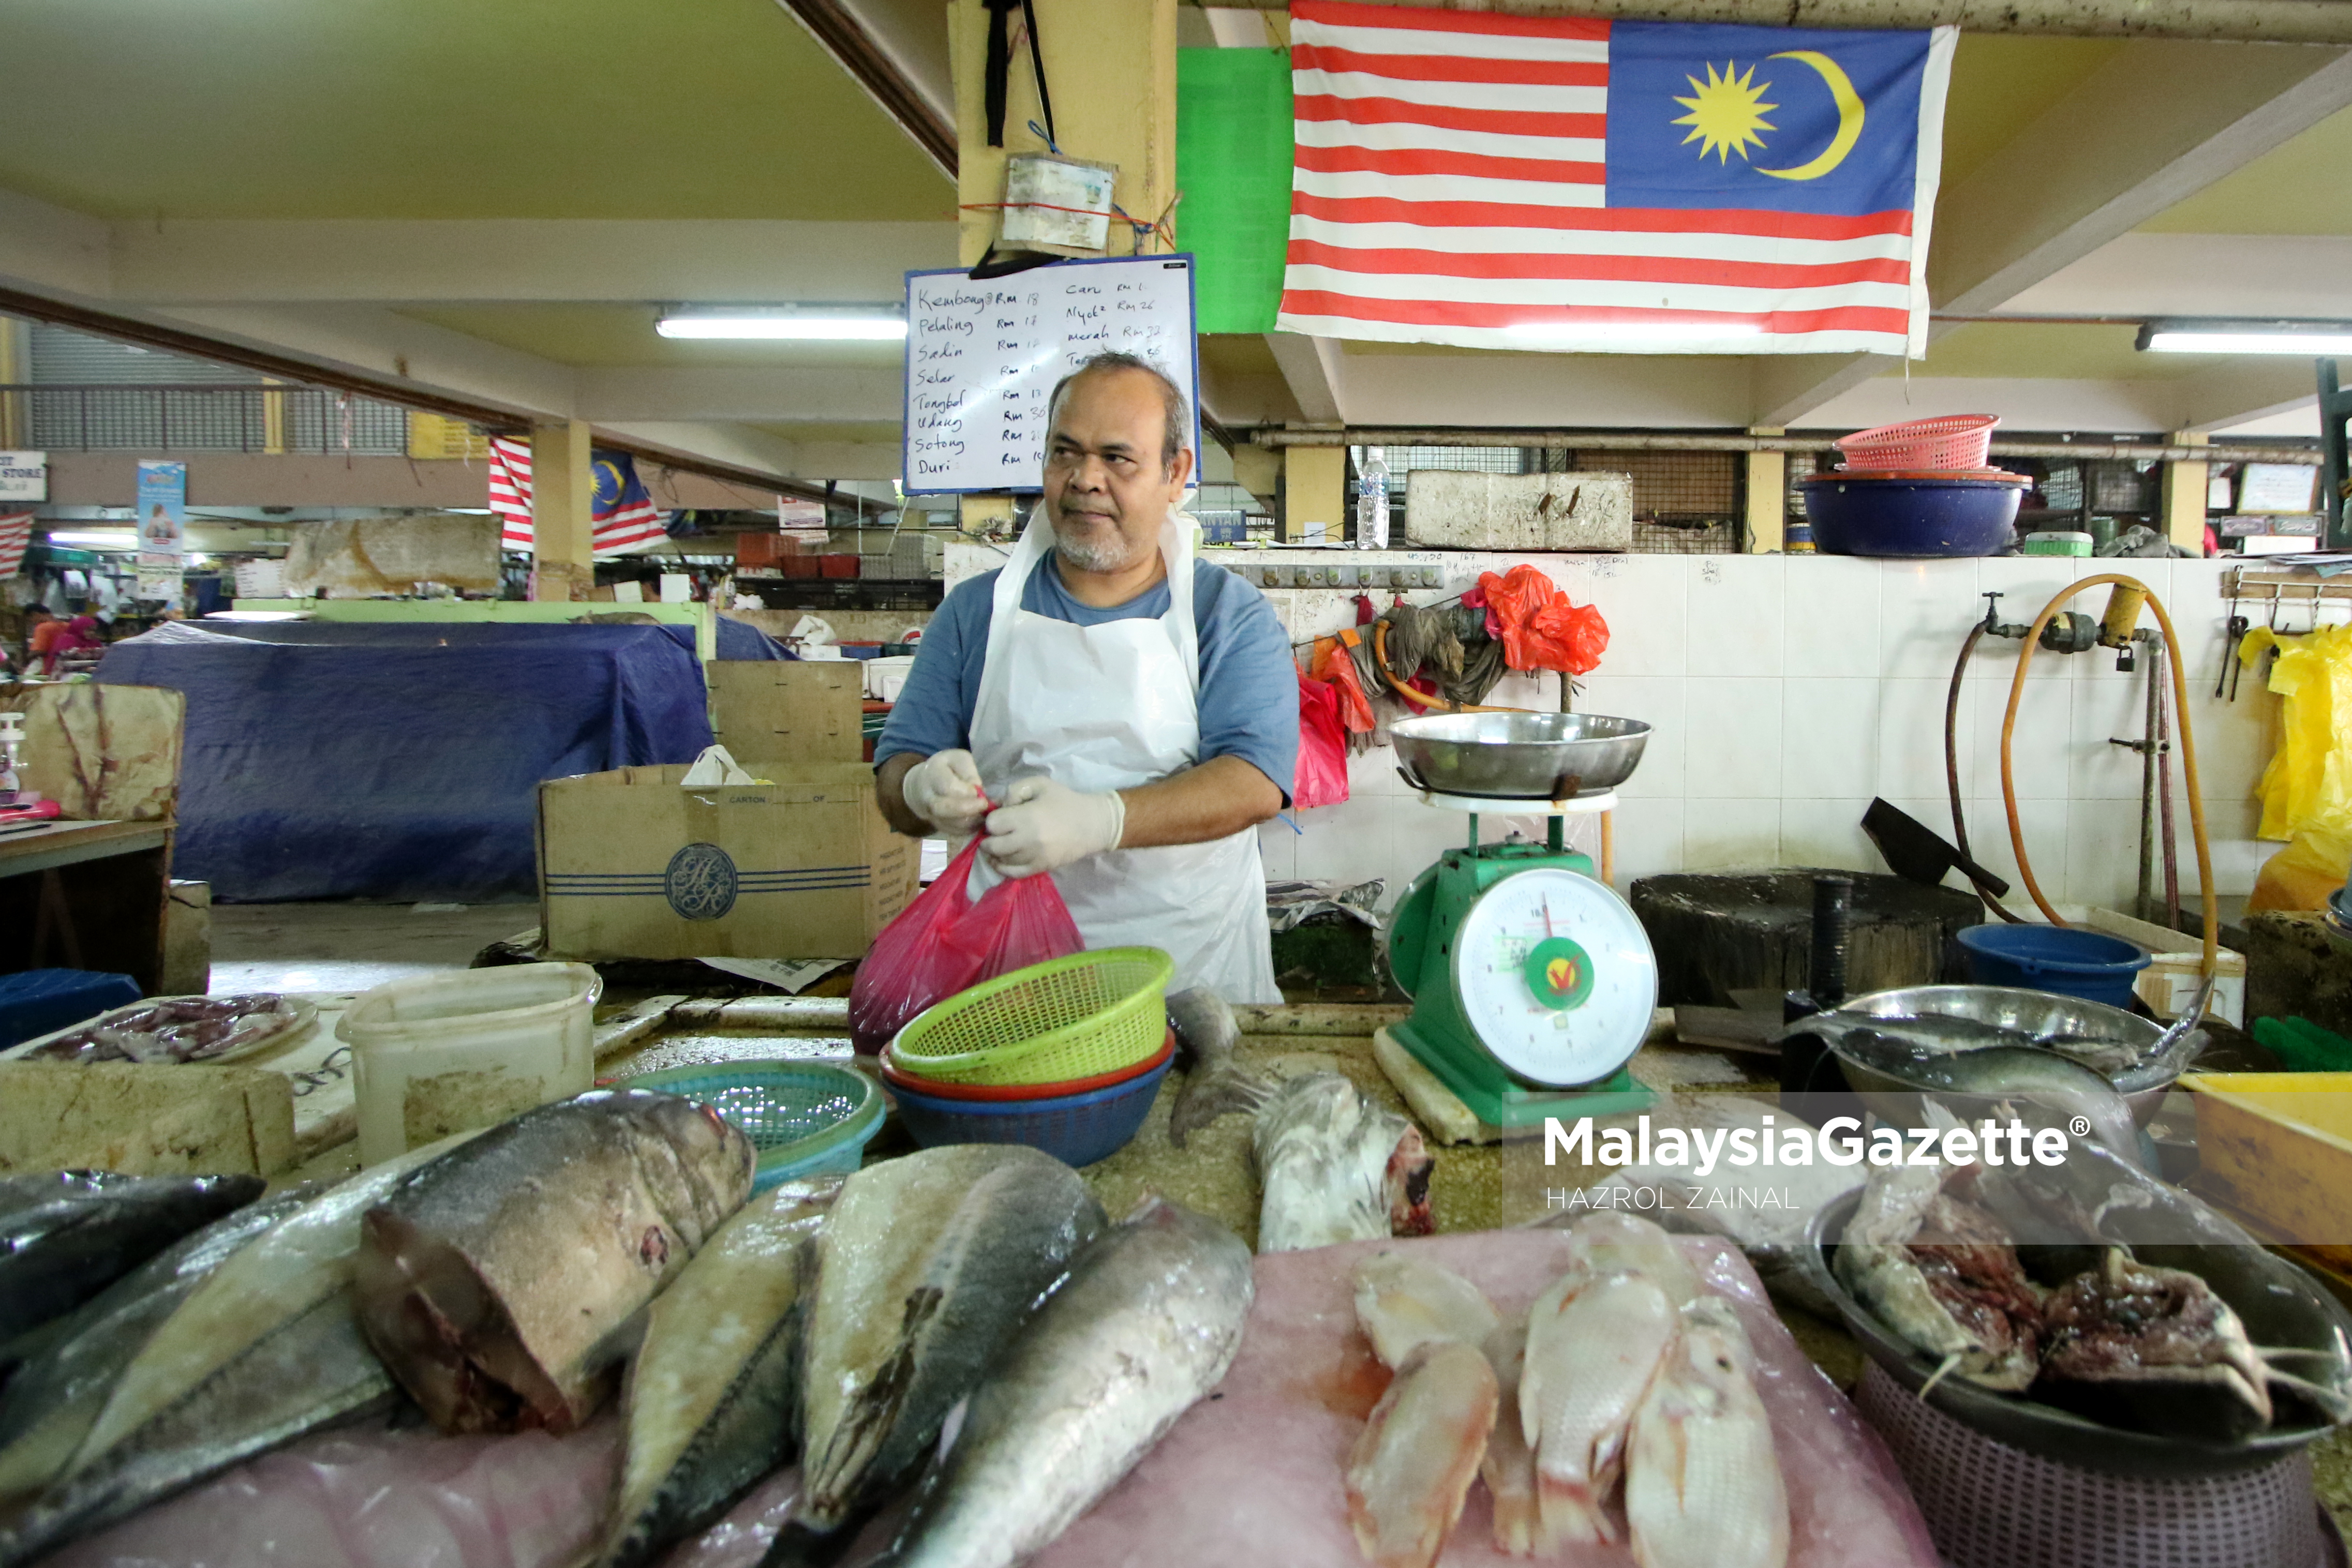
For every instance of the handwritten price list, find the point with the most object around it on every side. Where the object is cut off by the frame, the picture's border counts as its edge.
(982, 358)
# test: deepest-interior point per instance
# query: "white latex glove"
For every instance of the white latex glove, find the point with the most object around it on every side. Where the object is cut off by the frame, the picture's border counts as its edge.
(1043, 826)
(945, 790)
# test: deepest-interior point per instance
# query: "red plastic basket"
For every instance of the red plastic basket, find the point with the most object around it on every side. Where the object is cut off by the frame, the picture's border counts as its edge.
(1956, 441)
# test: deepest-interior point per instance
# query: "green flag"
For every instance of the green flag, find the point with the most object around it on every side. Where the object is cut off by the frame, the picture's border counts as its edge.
(1232, 163)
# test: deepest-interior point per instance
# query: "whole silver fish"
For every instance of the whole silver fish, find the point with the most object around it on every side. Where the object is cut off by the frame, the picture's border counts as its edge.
(1214, 1082)
(1149, 1320)
(52, 1400)
(261, 1351)
(713, 1394)
(66, 1236)
(503, 1282)
(930, 1264)
(2004, 1073)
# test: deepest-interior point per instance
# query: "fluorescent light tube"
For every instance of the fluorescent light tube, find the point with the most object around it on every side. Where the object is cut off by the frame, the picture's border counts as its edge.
(100, 538)
(2304, 340)
(802, 326)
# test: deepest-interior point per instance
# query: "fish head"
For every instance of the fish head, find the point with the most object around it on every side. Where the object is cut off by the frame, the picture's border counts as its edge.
(713, 1153)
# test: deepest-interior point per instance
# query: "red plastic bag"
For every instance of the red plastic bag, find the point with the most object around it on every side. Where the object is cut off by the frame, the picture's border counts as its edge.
(947, 941)
(1541, 629)
(1322, 779)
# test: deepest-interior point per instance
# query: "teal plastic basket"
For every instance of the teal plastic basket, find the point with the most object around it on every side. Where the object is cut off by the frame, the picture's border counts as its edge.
(805, 1118)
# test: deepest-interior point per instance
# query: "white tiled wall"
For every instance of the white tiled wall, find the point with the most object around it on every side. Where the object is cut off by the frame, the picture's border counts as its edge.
(1787, 691)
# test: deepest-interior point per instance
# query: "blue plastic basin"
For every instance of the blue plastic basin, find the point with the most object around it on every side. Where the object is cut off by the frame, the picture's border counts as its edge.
(2072, 962)
(1077, 1129)
(1911, 515)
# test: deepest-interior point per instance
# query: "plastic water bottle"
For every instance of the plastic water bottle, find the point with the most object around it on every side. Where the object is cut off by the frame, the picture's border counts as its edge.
(1372, 500)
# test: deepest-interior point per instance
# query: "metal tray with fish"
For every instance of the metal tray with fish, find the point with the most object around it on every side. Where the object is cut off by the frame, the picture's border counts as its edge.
(1514, 756)
(2140, 1057)
(2281, 1307)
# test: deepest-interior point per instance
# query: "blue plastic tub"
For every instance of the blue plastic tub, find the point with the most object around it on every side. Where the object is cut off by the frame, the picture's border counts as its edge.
(1911, 514)
(34, 1002)
(2067, 959)
(1077, 1129)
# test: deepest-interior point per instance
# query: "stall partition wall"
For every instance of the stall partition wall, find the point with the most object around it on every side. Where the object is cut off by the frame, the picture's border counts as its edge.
(1788, 690)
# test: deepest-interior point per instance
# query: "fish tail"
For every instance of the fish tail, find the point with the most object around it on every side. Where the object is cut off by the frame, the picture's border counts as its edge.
(1212, 1093)
(1518, 1525)
(1570, 1513)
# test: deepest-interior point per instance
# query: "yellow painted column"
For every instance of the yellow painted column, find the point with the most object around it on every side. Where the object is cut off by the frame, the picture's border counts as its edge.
(2184, 496)
(562, 511)
(1767, 496)
(1111, 67)
(1313, 490)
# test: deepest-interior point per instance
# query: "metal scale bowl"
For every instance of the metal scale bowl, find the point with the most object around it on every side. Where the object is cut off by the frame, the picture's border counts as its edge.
(1531, 980)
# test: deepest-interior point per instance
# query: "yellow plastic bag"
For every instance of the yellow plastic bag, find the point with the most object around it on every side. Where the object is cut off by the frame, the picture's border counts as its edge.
(2306, 790)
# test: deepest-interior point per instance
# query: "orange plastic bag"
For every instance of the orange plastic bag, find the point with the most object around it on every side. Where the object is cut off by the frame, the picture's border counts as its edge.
(947, 941)
(1541, 629)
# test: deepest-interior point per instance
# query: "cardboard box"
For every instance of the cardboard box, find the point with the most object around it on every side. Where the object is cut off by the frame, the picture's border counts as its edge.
(632, 865)
(779, 713)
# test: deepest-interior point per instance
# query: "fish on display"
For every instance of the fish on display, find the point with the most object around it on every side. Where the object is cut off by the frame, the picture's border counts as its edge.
(1335, 1168)
(1942, 1274)
(1703, 1483)
(1150, 1317)
(64, 1237)
(1421, 1448)
(502, 1282)
(1214, 1082)
(1509, 1467)
(49, 1406)
(263, 1350)
(928, 1264)
(1596, 1337)
(713, 1392)
(1403, 1303)
(2134, 1340)
(2004, 1073)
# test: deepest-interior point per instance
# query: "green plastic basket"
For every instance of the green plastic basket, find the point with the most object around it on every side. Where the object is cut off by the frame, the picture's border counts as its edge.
(805, 1118)
(1068, 1017)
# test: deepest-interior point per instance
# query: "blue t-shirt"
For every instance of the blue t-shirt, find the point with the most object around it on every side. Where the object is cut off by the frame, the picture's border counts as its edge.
(1249, 688)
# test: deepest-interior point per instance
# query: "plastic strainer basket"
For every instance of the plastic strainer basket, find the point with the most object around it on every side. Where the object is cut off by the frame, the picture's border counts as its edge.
(805, 1118)
(1988, 1505)
(1954, 441)
(1068, 1017)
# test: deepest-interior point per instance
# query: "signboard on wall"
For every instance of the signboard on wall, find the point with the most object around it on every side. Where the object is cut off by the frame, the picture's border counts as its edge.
(162, 523)
(23, 476)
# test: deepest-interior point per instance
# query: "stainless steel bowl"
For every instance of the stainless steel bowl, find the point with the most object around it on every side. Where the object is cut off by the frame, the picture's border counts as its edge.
(1519, 756)
(2048, 1019)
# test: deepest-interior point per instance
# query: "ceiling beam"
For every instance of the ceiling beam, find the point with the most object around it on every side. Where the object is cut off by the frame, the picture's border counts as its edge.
(461, 261)
(2144, 274)
(765, 395)
(2252, 21)
(1311, 367)
(883, 72)
(2158, 122)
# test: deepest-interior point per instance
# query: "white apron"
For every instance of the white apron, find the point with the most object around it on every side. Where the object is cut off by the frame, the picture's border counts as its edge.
(1111, 707)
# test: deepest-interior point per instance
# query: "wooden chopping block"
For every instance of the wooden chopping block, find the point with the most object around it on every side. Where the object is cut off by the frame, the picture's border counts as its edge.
(145, 1120)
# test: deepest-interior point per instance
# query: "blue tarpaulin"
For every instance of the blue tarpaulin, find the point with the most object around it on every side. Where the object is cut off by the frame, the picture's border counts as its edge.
(401, 761)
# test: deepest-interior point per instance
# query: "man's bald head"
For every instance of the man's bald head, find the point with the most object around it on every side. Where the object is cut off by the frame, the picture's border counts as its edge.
(1177, 425)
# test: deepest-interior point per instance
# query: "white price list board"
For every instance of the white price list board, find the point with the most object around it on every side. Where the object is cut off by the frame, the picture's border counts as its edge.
(982, 358)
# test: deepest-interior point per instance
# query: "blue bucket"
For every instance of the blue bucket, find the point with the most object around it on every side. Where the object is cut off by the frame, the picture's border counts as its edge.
(1077, 1129)
(2066, 960)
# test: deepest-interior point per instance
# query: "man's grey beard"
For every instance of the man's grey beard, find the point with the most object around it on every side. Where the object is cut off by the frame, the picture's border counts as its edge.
(1105, 552)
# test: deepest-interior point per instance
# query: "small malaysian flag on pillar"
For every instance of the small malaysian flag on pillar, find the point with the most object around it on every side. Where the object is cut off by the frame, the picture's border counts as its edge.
(624, 515)
(1579, 185)
(15, 534)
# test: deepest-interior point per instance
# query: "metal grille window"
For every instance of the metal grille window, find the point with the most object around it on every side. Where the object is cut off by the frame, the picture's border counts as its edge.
(1404, 460)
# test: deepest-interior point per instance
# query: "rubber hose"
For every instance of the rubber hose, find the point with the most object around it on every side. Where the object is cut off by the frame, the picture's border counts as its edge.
(2187, 758)
(1952, 767)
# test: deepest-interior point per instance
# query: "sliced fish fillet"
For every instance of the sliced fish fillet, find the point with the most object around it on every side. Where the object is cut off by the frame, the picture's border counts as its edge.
(1403, 1303)
(1418, 1452)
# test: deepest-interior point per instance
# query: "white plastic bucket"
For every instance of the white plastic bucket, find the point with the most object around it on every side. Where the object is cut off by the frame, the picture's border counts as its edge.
(445, 1053)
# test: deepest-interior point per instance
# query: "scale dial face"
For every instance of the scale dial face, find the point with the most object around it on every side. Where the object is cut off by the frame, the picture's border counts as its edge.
(1556, 974)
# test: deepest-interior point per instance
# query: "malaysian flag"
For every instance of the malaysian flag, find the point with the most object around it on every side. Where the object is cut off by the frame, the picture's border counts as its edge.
(625, 520)
(15, 533)
(1621, 187)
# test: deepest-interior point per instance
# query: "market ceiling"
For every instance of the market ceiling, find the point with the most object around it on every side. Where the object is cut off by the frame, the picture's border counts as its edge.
(491, 203)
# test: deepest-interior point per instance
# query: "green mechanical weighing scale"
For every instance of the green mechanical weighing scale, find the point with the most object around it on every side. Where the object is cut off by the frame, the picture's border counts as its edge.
(1533, 984)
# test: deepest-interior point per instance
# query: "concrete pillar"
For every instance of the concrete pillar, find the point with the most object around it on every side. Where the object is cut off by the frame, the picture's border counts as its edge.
(563, 510)
(1767, 494)
(2184, 496)
(1314, 490)
(1110, 67)
(16, 365)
